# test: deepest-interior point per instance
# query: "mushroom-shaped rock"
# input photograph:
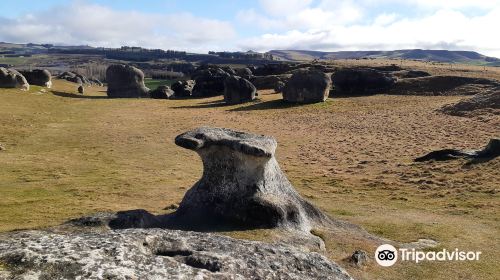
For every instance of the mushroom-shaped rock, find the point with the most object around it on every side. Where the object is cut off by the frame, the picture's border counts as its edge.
(162, 92)
(183, 88)
(238, 90)
(307, 86)
(125, 81)
(10, 78)
(242, 184)
(39, 77)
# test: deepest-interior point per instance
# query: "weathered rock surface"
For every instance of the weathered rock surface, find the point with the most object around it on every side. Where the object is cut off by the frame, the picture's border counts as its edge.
(242, 184)
(279, 87)
(209, 81)
(162, 92)
(10, 78)
(269, 82)
(125, 81)
(155, 254)
(39, 77)
(75, 78)
(443, 85)
(307, 86)
(491, 151)
(183, 88)
(245, 73)
(482, 103)
(359, 81)
(238, 90)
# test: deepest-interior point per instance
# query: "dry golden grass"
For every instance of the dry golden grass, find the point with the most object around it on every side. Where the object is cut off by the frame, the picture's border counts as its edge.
(68, 155)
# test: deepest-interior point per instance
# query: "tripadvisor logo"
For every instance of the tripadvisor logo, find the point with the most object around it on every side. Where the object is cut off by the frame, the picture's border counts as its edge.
(387, 255)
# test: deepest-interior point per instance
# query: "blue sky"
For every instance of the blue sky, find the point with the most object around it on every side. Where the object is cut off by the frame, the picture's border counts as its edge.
(261, 25)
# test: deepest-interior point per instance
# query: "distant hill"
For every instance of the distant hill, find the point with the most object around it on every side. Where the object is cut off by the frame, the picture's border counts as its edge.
(466, 57)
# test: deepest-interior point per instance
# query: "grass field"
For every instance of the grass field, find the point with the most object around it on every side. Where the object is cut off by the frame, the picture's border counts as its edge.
(68, 155)
(152, 83)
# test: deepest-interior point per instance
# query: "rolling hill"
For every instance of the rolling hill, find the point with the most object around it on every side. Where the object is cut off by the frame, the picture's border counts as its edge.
(467, 57)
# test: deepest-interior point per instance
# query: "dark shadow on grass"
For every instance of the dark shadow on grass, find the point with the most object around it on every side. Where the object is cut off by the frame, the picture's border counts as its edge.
(204, 105)
(72, 95)
(267, 105)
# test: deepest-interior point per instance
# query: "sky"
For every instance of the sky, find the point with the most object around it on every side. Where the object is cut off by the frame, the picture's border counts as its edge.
(259, 25)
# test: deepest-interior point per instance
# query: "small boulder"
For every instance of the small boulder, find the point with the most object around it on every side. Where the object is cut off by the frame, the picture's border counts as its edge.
(359, 258)
(183, 88)
(125, 81)
(358, 81)
(81, 89)
(307, 86)
(162, 92)
(238, 90)
(39, 77)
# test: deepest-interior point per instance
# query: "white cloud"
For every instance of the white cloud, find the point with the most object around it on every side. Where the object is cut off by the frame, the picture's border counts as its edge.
(443, 29)
(280, 8)
(84, 23)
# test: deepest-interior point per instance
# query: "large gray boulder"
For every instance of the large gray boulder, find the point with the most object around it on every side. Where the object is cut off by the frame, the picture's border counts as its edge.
(10, 78)
(154, 254)
(359, 81)
(162, 92)
(39, 77)
(75, 78)
(125, 81)
(238, 90)
(242, 184)
(209, 81)
(307, 86)
(183, 88)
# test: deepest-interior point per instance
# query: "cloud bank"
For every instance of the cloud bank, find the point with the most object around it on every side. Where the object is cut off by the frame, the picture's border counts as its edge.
(327, 25)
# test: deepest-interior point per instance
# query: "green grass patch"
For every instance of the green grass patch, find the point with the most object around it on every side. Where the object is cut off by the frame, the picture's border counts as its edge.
(153, 83)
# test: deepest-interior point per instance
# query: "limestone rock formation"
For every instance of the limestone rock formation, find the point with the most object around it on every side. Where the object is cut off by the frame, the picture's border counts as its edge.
(154, 254)
(481, 103)
(242, 184)
(279, 87)
(183, 88)
(307, 86)
(444, 85)
(491, 151)
(81, 89)
(269, 82)
(75, 78)
(125, 81)
(245, 73)
(39, 77)
(238, 90)
(162, 92)
(10, 78)
(209, 81)
(359, 81)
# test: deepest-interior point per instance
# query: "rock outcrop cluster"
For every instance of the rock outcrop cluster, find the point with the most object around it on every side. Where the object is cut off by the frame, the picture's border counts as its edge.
(125, 81)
